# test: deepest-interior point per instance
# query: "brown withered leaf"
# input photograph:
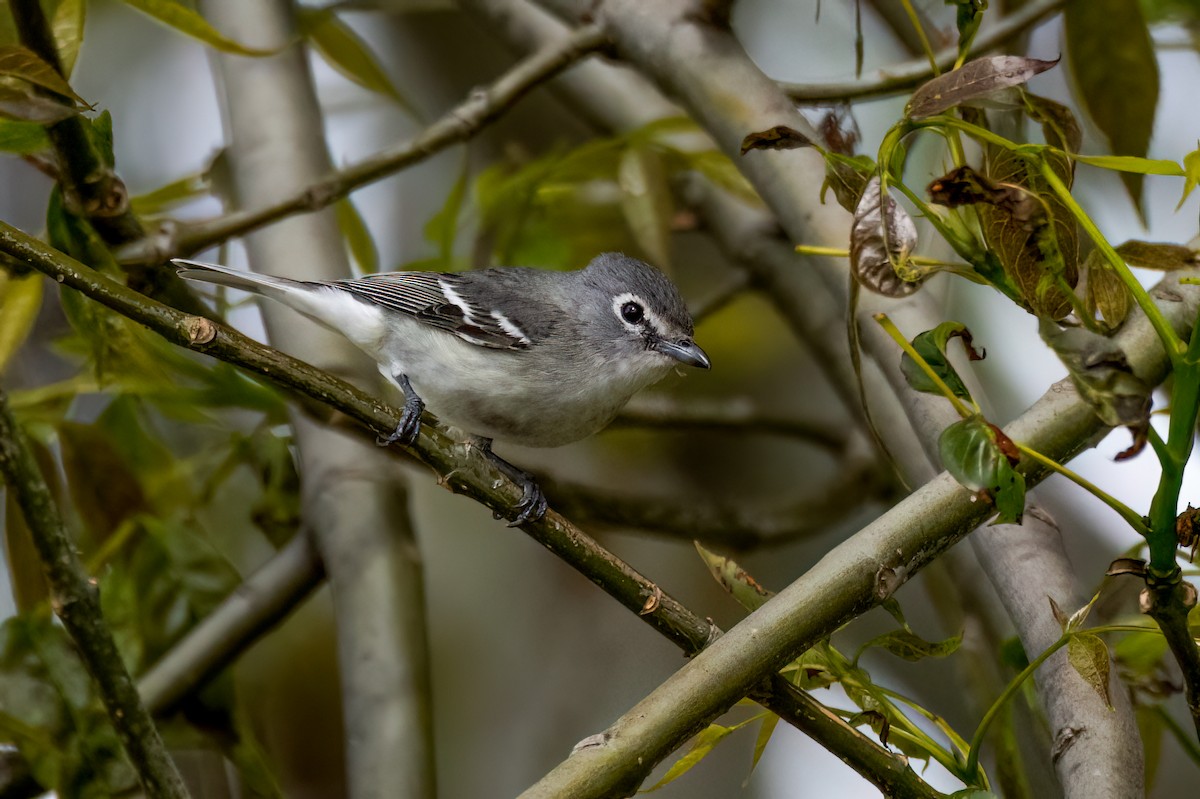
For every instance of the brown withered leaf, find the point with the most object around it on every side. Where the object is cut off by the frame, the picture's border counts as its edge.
(1060, 128)
(882, 237)
(972, 81)
(1101, 373)
(848, 177)
(1161, 256)
(1040, 255)
(1107, 293)
(964, 186)
(780, 137)
(1006, 446)
(1119, 566)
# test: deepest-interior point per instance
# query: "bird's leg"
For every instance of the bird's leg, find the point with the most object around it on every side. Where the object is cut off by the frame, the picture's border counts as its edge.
(532, 505)
(410, 418)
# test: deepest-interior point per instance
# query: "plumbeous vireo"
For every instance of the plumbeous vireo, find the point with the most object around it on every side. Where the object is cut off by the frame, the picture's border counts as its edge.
(529, 356)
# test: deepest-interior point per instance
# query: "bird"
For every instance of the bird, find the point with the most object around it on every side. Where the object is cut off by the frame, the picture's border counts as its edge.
(527, 356)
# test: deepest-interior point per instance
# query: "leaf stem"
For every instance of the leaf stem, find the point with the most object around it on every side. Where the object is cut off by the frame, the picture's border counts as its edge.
(1124, 511)
(1166, 334)
(890, 328)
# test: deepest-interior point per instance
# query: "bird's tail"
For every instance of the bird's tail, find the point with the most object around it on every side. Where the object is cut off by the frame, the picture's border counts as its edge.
(277, 288)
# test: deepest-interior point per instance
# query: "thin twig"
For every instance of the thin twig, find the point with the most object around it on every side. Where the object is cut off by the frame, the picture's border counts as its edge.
(76, 601)
(910, 74)
(459, 124)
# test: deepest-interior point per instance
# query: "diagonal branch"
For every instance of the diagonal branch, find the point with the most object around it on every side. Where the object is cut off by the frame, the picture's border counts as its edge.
(76, 601)
(462, 122)
(463, 470)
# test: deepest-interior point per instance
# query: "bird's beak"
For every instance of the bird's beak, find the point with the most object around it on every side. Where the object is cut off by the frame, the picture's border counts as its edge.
(684, 351)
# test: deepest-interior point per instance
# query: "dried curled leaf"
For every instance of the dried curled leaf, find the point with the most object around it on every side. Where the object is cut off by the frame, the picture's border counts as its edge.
(1106, 292)
(1088, 655)
(881, 239)
(1101, 372)
(972, 81)
(780, 137)
(964, 186)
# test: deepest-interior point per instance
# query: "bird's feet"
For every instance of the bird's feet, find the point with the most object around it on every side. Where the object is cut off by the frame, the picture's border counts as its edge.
(531, 507)
(409, 427)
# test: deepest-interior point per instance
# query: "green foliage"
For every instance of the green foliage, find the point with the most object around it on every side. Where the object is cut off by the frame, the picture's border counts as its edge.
(346, 52)
(190, 23)
(982, 458)
(1112, 61)
(931, 345)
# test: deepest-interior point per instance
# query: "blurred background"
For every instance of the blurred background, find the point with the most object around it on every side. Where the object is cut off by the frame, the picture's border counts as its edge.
(527, 656)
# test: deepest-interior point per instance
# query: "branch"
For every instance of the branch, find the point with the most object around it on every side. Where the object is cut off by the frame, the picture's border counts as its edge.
(738, 528)
(910, 74)
(458, 125)
(76, 601)
(262, 601)
(738, 414)
(461, 469)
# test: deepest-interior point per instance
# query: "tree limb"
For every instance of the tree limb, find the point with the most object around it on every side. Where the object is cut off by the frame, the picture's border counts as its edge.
(76, 601)
(458, 125)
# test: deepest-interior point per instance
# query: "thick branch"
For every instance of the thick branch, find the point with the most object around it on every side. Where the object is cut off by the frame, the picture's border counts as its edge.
(457, 125)
(76, 601)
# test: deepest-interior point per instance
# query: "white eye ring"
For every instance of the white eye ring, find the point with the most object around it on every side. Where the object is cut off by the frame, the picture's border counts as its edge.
(634, 313)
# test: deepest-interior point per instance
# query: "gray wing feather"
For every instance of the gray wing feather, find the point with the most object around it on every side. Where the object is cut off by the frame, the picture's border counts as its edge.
(442, 300)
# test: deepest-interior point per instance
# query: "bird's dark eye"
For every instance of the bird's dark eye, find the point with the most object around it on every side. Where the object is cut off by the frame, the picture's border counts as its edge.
(632, 313)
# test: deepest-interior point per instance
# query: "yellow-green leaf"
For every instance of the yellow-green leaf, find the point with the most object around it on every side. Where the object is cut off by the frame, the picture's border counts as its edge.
(357, 235)
(191, 23)
(20, 300)
(1191, 174)
(1089, 657)
(24, 106)
(646, 202)
(1132, 164)
(170, 195)
(67, 24)
(765, 731)
(749, 593)
(1163, 256)
(348, 53)
(22, 138)
(23, 64)
(703, 743)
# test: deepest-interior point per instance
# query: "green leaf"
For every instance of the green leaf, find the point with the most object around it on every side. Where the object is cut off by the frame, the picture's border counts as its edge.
(717, 167)
(909, 646)
(931, 346)
(1111, 58)
(172, 194)
(22, 138)
(67, 24)
(20, 301)
(51, 712)
(646, 202)
(21, 63)
(357, 235)
(765, 731)
(981, 458)
(1141, 654)
(442, 228)
(190, 23)
(1089, 657)
(1191, 173)
(100, 130)
(104, 490)
(702, 745)
(342, 48)
(1132, 164)
(749, 593)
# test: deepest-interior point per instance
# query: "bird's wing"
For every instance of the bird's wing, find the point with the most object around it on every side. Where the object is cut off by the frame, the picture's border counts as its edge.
(442, 300)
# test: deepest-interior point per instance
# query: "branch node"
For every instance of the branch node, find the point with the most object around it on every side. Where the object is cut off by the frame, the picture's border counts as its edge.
(200, 331)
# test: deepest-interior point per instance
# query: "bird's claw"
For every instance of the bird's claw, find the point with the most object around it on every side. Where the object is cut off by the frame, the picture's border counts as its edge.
(532, 505)
(407, 429)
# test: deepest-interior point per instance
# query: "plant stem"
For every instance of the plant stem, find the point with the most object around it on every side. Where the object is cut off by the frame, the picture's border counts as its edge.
(1166, 334)
(1127, 513)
